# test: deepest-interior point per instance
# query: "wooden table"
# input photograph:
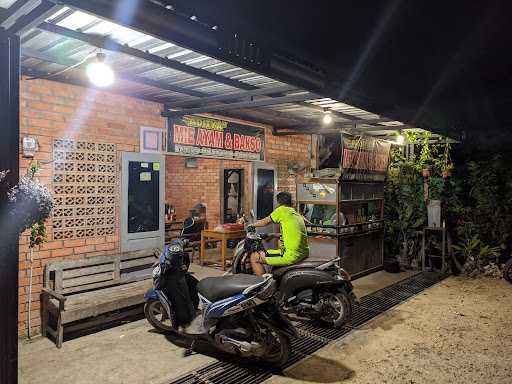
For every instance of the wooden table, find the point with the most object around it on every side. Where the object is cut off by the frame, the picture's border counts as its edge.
(210, 235)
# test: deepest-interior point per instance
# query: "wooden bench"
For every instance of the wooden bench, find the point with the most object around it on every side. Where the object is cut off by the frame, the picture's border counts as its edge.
(82, 289)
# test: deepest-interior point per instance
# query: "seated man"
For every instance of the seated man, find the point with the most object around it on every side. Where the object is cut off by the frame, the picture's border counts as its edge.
(294, 239)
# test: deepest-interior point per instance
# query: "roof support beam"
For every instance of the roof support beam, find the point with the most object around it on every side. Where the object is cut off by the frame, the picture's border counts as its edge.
(35, 54)
(154, 19)
(34, 18)
(84, 83)
(111, 45)
(240, 105)
(10, 13)
(233, 96)
(9, 160)
(44, 56)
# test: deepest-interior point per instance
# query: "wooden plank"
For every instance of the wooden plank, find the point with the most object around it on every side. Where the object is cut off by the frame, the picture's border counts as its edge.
(97, 302)
(136, 298)
(87, 280)
(58, 280)
(127, 278)
(117, 269)
(84, 271)
(82, 288)
(82, 263)
(138, 262)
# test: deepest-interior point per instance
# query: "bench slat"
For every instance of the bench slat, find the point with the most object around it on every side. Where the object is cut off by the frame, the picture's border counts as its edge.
(87, 262)
(84, 271)
(87, 287)
(87, 280)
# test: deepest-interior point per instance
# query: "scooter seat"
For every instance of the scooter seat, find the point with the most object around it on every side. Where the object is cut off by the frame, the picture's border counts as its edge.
(306, 263)
(216, 288)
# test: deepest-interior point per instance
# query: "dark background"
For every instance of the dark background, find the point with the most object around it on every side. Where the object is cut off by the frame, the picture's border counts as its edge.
(448, 64)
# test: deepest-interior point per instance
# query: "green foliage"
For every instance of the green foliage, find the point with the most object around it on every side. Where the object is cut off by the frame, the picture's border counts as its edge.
(405, 211)
(38, 234)
(30, 204)
(436, 187)
(468, 247)
(476, 254)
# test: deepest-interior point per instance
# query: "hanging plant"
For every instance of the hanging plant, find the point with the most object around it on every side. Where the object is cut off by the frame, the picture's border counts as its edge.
(31, 202)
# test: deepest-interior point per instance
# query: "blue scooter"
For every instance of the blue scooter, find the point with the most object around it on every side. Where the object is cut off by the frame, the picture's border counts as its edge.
(234, 313)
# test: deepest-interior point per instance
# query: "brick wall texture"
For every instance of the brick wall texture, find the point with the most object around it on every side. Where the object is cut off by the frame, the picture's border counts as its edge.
(51, 110)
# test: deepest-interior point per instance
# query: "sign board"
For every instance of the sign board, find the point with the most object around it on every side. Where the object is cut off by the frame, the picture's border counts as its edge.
(207, 137)
(364, 158)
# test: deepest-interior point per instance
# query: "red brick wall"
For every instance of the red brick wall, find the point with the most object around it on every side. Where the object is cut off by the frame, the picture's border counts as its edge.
(50, 110)
(186, 187)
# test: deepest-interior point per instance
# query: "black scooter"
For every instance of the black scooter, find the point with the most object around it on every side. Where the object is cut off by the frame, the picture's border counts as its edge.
(312, 289)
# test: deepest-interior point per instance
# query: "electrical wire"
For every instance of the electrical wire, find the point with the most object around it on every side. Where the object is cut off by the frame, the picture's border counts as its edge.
(91, 54)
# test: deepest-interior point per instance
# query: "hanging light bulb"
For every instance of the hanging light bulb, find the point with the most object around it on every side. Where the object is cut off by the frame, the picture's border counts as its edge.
(327, 119)
(400, 139)
(99, 73)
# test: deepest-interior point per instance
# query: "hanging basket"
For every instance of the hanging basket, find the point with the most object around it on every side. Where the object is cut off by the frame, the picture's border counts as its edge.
(31, 202)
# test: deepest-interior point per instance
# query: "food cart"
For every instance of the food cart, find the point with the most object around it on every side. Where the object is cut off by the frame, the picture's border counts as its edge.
(344, 205)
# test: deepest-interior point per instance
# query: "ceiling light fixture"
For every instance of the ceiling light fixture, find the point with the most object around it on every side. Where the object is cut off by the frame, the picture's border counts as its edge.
(99, 73)
(327, 119)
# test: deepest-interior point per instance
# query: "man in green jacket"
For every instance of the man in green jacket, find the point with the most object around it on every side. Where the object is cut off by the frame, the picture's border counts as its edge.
(294, 239)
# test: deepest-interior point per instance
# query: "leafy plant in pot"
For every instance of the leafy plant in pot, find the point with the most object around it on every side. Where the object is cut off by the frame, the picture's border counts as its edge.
(425, 160)
(404, 208)
(443, 164)
(475, 254)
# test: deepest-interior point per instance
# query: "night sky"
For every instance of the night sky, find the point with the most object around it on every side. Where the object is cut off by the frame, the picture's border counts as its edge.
(447, 64)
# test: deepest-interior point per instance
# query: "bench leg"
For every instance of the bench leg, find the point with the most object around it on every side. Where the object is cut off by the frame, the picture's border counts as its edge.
(60, 332)
(44, 316)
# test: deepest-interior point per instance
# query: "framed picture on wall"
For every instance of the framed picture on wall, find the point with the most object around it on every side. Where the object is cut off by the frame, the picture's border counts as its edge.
(152, 140)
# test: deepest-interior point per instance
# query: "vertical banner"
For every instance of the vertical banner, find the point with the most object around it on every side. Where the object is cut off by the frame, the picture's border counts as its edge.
(364, 158)
(207, 137)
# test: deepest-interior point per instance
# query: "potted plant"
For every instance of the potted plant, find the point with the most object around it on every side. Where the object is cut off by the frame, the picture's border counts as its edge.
(447, 170)
(425, 160)
(443, 164)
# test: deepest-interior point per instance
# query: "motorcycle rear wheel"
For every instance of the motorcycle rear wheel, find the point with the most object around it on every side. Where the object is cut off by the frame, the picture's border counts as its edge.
(279, 351)
(507, 271)
(338, 308)
(155, 314)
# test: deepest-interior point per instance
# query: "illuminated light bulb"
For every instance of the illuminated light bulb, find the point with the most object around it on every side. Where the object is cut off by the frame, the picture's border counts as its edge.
(400, 139)
(327, 119)
(99, 73)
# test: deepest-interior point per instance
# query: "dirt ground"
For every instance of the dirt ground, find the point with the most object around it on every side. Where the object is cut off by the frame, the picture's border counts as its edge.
(459, 331)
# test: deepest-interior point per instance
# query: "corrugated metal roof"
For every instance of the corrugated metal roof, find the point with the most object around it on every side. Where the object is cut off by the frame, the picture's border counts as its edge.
(53, 45)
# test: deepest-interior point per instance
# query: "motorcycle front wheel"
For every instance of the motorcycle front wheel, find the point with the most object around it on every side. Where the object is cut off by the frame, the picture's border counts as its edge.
(336, 309)
(157, 317)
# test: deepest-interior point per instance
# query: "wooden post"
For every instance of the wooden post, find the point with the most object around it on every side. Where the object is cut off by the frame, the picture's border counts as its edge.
(9, 160)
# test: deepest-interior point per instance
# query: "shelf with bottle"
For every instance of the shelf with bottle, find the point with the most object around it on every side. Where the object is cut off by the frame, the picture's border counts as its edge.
(344, 230)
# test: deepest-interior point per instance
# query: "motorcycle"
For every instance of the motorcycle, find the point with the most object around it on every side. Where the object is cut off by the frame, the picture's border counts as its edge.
(312, 289)
(235, 313)
(507, 271)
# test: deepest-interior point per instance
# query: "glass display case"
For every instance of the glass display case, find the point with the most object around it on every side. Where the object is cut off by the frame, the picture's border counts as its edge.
(345, 219)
